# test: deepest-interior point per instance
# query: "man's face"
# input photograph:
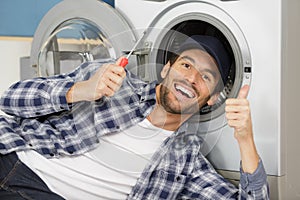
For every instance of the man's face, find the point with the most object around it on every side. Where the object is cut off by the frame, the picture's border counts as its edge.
(189, 82)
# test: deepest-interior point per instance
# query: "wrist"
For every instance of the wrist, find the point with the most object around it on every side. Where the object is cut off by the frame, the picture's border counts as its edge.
(69, 95)
(72, 95)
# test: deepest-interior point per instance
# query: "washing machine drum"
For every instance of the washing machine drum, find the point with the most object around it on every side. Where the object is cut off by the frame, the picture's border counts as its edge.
(171, 42)
(72, 43)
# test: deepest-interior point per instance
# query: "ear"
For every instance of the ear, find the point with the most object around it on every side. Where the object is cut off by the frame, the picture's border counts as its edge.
(165, 70)
(213, 99)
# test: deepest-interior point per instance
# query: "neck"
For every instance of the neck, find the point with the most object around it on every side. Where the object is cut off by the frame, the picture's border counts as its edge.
(159, 117)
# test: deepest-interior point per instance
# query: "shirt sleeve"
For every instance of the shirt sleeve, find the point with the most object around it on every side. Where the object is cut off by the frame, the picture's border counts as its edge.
(42, 96)
(254, 185)
(206, 183)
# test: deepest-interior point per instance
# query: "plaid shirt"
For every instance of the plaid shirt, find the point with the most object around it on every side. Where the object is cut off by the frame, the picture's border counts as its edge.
(41, 119)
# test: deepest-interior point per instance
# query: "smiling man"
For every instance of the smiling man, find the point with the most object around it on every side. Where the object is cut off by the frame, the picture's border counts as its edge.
(191, 79)
(99, 132)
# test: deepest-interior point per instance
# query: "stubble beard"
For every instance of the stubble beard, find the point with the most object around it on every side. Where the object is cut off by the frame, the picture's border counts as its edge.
(171, 107)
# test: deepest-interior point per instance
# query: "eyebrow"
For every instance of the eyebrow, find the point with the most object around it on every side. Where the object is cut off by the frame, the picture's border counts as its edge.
(188, 58)
(213, 73)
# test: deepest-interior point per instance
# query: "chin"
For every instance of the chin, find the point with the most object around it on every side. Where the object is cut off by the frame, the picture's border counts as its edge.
(185, 109)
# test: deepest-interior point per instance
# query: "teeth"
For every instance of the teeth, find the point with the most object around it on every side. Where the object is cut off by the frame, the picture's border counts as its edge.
(184, 91)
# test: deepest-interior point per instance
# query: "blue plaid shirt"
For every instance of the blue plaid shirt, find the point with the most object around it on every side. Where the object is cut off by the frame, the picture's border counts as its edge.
(41, 119)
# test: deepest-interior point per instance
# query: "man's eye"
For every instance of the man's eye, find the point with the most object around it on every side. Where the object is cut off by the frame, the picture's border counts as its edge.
(186, 65)
(205, 77)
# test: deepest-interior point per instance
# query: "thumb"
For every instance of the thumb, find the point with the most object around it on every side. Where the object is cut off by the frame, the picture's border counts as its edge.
(243, 92)
(119, 60)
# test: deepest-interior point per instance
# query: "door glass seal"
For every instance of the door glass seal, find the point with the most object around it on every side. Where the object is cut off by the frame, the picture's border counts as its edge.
(171, 42)
(201, 23)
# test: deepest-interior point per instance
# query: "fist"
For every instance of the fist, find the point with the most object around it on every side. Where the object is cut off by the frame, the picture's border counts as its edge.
(105, 82)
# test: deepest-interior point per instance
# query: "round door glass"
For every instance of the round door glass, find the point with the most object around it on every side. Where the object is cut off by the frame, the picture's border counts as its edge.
(71, 43)
(178, 34)
(200, 24)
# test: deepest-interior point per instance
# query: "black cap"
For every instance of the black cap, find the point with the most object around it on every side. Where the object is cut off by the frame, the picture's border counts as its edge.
(213, 47)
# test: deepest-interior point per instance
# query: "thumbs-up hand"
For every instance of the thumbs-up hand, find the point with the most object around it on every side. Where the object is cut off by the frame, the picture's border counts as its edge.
(238, 115)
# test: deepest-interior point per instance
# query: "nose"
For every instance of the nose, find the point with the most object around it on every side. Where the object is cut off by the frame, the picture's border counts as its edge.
(193, 76)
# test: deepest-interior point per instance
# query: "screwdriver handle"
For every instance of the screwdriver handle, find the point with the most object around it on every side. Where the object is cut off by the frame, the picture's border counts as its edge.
(123, 62)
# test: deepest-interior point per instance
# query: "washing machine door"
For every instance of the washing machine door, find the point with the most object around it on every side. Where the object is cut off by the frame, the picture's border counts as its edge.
(75, 31)
(183, 19)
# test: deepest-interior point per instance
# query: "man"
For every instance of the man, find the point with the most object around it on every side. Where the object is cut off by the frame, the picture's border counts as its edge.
(101, 133)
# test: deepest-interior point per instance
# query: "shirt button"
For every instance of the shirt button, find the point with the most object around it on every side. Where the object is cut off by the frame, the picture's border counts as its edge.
(51, 154)
(117, 127)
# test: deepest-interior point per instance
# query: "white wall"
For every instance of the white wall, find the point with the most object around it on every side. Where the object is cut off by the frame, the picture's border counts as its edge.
(11, 49)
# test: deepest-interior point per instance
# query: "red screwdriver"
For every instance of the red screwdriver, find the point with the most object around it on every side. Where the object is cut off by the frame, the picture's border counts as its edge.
(124, 61)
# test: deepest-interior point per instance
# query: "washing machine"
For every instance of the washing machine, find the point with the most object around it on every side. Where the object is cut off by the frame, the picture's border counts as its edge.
(260, 36)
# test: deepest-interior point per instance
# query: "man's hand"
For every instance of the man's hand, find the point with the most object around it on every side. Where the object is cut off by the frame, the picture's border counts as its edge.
(239, 117)
(105, 82)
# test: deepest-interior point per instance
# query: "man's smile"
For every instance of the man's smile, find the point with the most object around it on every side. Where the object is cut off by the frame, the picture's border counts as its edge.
(184, 91)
